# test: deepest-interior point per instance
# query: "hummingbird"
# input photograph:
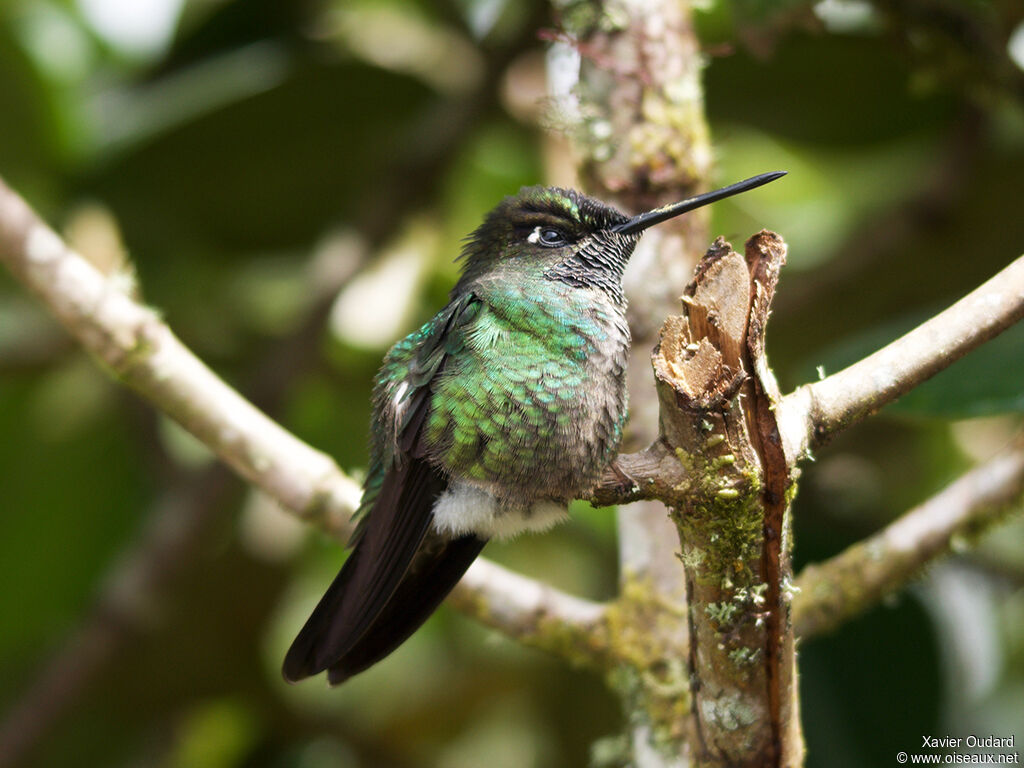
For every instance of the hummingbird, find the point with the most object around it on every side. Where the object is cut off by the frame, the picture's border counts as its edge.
(490, 418)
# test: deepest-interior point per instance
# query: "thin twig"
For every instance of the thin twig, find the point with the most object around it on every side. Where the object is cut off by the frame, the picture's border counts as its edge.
(844, 586)
(646, 475)
(814, 412)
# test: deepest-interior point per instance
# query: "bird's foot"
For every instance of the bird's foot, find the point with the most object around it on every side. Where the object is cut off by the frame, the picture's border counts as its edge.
(624, 482)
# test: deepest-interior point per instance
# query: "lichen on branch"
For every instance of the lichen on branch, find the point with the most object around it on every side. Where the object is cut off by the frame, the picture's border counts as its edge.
(716, 415)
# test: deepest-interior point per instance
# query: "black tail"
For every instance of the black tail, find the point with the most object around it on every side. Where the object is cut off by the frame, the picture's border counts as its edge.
(332, 640)
(392, 533)
(432, 575)
(390, 584)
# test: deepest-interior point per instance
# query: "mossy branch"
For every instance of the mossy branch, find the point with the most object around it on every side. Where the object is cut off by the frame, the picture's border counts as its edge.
(717, 401)
(836, 590)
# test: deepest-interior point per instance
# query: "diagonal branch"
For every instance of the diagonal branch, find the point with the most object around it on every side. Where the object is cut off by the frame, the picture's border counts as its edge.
(143, 352)
(535, 614)
(810, 415)
(844, 586)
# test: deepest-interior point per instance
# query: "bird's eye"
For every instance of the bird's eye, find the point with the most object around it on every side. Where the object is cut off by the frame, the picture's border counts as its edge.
(548, 236)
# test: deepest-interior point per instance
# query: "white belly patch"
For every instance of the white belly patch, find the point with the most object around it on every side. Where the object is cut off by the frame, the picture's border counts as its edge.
(464, 509)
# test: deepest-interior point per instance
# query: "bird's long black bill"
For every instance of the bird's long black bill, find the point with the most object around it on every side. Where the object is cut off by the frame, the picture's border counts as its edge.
(642, 221)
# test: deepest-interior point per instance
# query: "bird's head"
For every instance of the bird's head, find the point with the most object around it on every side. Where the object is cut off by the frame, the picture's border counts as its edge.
(564, 235)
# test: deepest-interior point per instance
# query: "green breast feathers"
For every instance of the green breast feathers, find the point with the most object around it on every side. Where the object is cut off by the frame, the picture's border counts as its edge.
(526, 394)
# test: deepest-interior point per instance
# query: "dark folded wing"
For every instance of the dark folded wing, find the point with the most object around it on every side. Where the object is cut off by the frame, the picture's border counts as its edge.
(389, 537)
(433, 574)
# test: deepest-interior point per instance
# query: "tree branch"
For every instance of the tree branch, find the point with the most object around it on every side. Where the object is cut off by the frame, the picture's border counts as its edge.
(535, 614)
(646, 475)
(810, 415)
(142, 351)
(846, 585)
(717, 398)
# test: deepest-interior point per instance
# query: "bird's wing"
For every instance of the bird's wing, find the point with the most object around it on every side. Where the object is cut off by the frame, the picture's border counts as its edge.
(435, 570)
(393, 528)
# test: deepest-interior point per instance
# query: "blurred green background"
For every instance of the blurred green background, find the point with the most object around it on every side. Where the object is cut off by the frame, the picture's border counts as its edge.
(290, 182)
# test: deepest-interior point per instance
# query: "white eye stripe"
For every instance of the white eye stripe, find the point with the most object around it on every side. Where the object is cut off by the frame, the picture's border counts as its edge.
(534, 237)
